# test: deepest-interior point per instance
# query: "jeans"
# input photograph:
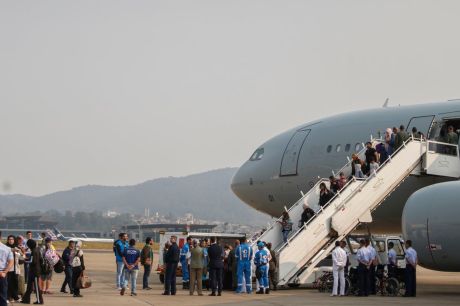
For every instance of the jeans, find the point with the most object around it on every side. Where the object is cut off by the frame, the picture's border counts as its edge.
(170, 278)
(120, 274)
(67, 279)
(285, 236)
(131, 275)
(145, 278)
(3, 291)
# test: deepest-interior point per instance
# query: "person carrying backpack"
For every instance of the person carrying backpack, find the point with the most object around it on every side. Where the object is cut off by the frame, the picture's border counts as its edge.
(146, 261)
(49, 259)
(78, 267)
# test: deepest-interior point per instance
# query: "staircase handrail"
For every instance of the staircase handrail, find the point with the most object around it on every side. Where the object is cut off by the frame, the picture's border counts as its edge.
(321, 180)
(364, 180)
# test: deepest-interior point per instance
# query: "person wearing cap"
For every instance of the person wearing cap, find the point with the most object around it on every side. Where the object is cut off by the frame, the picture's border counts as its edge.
(261, 260)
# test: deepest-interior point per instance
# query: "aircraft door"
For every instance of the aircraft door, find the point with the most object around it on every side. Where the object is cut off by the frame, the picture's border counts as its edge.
(291, 154)
(422, 123)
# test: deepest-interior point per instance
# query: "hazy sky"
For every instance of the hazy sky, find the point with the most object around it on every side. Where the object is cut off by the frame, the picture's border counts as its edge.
(118, 92)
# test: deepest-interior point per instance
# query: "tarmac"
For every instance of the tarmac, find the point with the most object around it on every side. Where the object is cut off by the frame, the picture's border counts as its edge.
(434, 288)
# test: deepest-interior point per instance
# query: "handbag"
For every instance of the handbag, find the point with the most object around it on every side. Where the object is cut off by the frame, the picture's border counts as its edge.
(84, 281)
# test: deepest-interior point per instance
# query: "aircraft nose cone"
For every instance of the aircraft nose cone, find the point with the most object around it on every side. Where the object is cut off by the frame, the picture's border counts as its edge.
(236, 183)
(241, 183)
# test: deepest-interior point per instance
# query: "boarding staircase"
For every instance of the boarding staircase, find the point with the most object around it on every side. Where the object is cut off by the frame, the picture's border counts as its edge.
(311, 242)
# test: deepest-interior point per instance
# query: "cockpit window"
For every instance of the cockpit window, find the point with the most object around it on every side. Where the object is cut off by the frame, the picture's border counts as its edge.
(257, 155)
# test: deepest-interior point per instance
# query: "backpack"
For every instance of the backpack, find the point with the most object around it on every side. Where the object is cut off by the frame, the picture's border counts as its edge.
(44, 264)
(51, 257)
(59, 266)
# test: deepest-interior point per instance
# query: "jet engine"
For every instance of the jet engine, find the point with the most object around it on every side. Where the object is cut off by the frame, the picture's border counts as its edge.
(431, 219)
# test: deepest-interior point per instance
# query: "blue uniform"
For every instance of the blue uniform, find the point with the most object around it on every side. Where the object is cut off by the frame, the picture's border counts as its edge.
(261, 262)
(183, 261)
(243, 256)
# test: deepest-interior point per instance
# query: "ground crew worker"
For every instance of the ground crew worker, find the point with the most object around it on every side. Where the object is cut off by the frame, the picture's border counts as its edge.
(244, 256)
(373, 262)
(184, 256)
(261, 260)
(363, 269)
(392, 260)
(411, 264)
(272, 265)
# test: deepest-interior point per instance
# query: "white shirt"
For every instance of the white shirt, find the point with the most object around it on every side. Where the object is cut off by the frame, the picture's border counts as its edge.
(5, 256)
(339, 257)
(411, 256)
(372, 253)
(269, 255)
(363, 255)
(392, 257)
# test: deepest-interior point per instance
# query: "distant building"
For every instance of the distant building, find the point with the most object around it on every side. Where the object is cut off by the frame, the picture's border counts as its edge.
(141, 231)
(30, 222)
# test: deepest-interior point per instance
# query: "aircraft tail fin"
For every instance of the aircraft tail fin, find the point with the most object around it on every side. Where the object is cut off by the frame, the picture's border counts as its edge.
(58, 234)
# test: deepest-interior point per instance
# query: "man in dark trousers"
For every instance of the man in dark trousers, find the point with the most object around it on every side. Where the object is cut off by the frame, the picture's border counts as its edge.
(34, 274)
(216, 266)
(410, 272)
(171, 261)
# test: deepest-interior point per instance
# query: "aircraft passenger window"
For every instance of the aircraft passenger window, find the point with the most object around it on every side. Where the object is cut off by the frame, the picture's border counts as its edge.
(338, 148)
(329, 149)
(347, 147)
(357, 147)
(257, 155)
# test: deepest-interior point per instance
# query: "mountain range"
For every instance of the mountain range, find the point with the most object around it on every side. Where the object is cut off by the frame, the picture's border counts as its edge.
(206, 195)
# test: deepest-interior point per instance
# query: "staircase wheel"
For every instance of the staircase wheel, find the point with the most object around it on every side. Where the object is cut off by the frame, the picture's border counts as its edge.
(392, 286)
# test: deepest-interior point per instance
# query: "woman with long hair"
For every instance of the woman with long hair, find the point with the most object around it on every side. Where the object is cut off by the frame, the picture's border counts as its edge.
(13, 275)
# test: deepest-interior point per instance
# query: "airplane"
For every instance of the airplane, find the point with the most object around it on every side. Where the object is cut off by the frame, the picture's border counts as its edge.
(424, 208)
(61, 237)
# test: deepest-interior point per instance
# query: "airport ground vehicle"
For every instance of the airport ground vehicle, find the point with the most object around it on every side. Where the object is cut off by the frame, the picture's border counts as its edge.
(387, 282)
(223, 238)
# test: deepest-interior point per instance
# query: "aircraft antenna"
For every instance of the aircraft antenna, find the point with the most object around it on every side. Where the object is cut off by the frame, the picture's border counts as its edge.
(386, 102)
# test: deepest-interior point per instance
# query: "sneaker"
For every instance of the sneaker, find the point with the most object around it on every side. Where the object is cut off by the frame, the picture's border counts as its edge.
(122, 292)
(119, 288)
(133, 294)
(78, 295)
